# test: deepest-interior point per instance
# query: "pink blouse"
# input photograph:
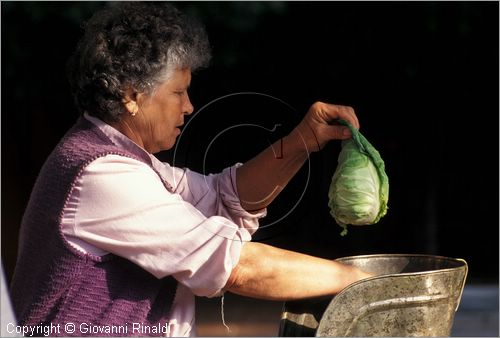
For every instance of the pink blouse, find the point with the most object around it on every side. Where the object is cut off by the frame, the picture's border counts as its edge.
(120, 206)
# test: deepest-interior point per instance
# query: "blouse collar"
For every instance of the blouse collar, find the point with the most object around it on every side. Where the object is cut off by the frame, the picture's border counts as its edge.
(118, 139)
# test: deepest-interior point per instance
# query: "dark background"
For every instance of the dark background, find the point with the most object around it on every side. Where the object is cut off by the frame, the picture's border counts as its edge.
(422, 77)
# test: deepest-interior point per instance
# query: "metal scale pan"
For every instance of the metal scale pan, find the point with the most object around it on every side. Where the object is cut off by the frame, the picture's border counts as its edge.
(411, 295)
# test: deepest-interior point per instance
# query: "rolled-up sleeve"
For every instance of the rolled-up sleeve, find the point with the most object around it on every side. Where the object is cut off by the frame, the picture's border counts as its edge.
(214, 194)
(194, 234)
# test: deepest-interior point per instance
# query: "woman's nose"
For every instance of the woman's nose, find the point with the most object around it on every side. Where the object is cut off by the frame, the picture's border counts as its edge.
(188, 106)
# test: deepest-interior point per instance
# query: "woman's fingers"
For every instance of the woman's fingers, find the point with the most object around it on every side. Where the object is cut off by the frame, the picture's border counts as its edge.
(321, 119)
(324, 116)
(341, 112)
(338, 133)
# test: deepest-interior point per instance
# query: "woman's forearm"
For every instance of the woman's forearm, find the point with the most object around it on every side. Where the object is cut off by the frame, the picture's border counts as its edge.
(271, 273)
(262, 178)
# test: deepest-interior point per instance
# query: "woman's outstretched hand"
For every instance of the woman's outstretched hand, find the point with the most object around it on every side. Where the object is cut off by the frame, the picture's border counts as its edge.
(320, 126)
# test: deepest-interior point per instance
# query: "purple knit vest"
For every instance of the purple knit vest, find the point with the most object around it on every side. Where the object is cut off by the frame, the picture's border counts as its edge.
(54, 283)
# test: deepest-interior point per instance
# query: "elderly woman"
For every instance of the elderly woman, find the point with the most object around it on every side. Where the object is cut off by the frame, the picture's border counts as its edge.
(112, 237)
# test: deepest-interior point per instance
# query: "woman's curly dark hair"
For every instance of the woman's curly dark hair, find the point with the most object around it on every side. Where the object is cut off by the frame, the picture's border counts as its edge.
(132, 45)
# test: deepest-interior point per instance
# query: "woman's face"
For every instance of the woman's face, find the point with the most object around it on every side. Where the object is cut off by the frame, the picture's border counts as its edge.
(162, 113)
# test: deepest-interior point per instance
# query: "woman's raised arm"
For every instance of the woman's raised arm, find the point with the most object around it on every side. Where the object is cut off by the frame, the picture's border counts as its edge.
(262, 178)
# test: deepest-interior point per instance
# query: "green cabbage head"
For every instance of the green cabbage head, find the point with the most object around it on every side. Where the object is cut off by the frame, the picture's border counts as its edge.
(359, 190)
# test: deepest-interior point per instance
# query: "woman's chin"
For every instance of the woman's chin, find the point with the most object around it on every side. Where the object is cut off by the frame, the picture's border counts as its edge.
(170, 144)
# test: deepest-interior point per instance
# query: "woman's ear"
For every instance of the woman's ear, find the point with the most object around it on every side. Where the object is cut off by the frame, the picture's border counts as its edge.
(130, 102)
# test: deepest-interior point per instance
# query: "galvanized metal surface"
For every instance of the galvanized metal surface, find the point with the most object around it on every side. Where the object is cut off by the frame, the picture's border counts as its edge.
(411, 295)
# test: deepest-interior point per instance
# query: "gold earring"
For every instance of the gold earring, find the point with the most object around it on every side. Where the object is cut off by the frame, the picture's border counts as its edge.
(134, 112)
